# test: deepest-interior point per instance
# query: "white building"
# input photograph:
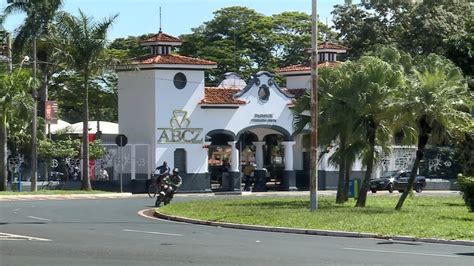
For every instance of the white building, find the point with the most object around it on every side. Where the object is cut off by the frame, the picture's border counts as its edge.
(164, 105)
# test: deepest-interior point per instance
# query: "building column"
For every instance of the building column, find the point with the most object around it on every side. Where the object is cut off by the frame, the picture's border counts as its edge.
(289, 176)
(259, 173)
(206, 147)
(259, 154)
(234, 177)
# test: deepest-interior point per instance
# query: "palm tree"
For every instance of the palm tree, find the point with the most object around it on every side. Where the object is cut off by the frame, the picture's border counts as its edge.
(83, 46)
(375, 83)
(433, 104)
(336, 125)
(39, 15)
(14, 89)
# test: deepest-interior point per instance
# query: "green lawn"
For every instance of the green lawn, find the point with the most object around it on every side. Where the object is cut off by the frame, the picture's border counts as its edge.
(434, 217)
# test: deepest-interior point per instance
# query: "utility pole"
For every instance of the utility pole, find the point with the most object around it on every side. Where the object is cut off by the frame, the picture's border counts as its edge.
(34, 123)
(314, 107)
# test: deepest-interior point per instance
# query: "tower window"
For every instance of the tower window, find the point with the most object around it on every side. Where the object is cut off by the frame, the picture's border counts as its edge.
(179, 80)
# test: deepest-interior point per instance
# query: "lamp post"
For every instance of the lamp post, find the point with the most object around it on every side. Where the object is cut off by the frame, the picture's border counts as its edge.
(314, 107)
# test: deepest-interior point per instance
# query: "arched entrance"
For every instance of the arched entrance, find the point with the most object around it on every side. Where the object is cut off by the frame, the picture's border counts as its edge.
(270, 149)
(221, 158)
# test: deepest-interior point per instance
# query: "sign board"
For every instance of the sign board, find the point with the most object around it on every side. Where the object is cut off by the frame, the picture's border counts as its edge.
(179, 132)
(51, 112)
(121, 140)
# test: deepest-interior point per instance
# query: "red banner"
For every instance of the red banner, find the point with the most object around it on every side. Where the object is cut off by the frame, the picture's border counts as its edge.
(51, 112)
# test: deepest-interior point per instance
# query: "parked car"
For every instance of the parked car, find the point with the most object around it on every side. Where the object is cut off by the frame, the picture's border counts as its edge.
(396, 180)
(401, 182)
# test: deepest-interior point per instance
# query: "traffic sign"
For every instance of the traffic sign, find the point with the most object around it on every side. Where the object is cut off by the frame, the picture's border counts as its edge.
(121, 140)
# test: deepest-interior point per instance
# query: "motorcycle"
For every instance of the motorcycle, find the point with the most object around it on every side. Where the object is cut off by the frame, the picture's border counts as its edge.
(164, 195)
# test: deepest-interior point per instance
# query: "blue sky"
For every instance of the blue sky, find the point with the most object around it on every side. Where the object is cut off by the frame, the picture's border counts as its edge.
(138, 17)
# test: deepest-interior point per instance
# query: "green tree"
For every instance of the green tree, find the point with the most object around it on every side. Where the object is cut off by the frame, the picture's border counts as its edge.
(83, 46)
(336, 123)
(39, 15)
(241, 40)
(131, 45)
(14, 99)
(36, 27)
(421, 28)
(375, 82)
(433, 103)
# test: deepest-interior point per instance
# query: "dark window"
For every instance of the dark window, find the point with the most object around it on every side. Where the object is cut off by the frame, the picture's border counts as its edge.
(180, 160)
(179, 80)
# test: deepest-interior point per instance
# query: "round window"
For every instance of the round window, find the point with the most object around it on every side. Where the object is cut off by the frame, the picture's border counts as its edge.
(179, 80)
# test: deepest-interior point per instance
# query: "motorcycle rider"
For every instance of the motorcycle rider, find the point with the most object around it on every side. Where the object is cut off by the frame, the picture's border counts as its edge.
(163, 171)
(174, 181)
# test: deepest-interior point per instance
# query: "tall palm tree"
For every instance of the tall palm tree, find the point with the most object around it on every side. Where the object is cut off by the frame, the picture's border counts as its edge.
(336, 125)
(14, 89)
(39, 15)
(433, 105)
(375, 82)
(83, 46)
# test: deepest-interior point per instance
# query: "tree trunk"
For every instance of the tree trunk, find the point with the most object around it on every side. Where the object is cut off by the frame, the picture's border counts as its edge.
(347, 177)
(342, 168)
(422, 140)
(340, 183)
(370, 163)
(3, 153)
(86, 182)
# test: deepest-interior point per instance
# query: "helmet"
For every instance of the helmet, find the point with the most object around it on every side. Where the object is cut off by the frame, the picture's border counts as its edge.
(175, 170)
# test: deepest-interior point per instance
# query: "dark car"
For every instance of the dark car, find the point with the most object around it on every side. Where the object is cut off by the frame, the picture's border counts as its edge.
(396, 180)
(401, 182)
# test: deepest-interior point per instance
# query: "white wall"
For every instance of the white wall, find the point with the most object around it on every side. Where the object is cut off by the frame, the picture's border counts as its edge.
(298, 82)
(136, 105)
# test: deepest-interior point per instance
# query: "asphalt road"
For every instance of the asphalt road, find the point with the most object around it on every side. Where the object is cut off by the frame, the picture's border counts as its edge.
(111, 232)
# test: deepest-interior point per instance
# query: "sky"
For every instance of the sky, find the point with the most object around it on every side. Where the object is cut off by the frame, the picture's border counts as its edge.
(137, 17)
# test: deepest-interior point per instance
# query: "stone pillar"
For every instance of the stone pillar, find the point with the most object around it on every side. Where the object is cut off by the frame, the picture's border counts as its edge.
(259, 154)
(259, 173)
(234, 177)
(206, 147)
(289, 176)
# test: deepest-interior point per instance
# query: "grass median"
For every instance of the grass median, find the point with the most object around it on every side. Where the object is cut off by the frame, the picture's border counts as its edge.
(427, 216)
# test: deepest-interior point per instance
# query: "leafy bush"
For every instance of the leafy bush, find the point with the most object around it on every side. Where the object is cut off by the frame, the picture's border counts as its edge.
(466, 183)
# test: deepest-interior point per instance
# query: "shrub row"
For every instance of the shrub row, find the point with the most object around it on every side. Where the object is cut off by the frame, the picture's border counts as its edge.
(466, 184)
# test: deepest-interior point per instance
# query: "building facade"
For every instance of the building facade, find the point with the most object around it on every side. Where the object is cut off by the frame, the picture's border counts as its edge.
(210, 133)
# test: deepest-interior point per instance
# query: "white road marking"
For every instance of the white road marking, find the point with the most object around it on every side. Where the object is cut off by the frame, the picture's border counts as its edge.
(39, 218)
(15, 210)
(403, 252)
(148, 232)
(7, 236)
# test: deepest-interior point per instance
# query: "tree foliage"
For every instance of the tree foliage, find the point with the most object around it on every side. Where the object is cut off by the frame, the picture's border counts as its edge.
(432, 26)
(83, 47)
(15, 103)
(241, 40)
(435, 104)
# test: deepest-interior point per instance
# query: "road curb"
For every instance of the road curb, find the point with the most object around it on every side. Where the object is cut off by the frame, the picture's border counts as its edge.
(62, 196)
(157, 214)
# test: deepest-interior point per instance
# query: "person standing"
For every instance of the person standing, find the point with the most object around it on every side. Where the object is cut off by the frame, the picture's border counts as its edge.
(248, 170)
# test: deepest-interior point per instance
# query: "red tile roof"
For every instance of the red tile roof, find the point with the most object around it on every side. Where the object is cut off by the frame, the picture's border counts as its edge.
(214, 95)
(172, 59)
(161, 37)
(297, 92)
(332, 46)
(295, 68)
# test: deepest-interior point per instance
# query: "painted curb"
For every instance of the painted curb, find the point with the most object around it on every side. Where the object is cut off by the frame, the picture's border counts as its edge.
(62, 196)
(311, 231)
